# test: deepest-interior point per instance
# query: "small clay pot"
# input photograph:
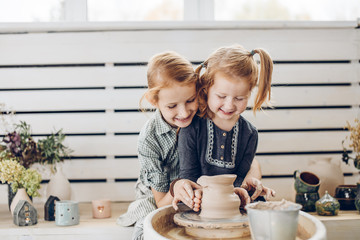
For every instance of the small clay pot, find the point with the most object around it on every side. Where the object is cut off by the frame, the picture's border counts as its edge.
(346, 203)
(327, 205)
(307, 200)
(345, 191)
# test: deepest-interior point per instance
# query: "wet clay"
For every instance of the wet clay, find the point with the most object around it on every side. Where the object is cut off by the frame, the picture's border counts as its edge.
(276, 205)
(219, 200)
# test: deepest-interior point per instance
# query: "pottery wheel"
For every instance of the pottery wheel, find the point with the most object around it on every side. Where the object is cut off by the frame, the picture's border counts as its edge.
(213, 228)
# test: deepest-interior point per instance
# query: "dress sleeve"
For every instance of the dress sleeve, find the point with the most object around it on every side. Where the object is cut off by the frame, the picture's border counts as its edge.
(153, 172)
(188, 153)
(248, 157)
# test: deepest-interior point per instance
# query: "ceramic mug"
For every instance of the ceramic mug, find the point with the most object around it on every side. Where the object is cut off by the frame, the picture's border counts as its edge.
(101, 208)
(306, 182)
(307, 200)
(67, 213)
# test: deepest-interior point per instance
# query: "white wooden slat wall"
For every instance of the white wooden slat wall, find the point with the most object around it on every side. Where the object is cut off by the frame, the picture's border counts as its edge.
(90, 82)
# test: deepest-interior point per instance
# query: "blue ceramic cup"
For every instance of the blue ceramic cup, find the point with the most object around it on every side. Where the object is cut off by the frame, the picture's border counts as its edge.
(67, 213)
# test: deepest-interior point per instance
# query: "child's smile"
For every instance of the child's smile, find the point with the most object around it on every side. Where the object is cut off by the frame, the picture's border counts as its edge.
(178, 104)
(227, 99)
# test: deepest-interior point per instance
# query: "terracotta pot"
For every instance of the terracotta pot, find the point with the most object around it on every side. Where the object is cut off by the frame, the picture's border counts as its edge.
(59, 186)
(330, 173)
(20, 195)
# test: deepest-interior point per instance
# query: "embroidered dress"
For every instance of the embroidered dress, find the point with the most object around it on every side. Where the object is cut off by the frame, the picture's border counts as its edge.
(205, 149)
(159, 165)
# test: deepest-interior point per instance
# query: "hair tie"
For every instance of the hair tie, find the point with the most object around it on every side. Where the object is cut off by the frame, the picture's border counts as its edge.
(202, 64)
(252, 52)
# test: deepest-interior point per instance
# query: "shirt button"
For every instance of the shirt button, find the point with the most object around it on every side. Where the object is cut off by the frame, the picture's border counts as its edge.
(222, 146)
(221, 158)
(224, 134)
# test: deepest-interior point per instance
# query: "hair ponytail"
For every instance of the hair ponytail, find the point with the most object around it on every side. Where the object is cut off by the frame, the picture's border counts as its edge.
(264, 82)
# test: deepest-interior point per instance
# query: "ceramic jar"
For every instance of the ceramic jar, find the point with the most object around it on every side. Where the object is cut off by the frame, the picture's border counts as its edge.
(327, 205)
(219, 199)
(329, 172)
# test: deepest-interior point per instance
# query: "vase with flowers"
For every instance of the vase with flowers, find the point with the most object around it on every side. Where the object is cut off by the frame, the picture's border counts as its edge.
(53, 152)
(354, 154)
(25, 182)
(17, 144)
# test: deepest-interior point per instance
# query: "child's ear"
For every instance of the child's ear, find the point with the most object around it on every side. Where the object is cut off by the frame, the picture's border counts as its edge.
(151, 100)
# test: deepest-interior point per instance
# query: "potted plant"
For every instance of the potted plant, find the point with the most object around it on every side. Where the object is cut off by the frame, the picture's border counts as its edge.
(25, 182)
(17, 144)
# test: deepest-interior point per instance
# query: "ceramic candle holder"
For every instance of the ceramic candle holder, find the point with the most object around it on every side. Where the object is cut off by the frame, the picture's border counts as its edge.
(101, 208)
(67, 213)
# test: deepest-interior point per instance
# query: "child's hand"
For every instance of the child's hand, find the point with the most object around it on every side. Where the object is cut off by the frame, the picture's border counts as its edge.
(197, 199)
(185, 191)
(243, 195)
(255, 185)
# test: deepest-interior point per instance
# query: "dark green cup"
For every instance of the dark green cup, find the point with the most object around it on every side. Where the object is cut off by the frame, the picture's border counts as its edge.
(307, 200)
(306, 182)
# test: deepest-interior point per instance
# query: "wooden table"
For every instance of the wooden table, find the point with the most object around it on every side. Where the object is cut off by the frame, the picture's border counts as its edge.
(88, 228)
(345, 226)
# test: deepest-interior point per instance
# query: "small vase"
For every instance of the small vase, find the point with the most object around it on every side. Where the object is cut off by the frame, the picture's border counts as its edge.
(357, 198)
(20, 195)
(59, 186)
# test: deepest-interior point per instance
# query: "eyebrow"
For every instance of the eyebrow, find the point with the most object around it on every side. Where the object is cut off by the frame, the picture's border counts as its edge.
(193, 96)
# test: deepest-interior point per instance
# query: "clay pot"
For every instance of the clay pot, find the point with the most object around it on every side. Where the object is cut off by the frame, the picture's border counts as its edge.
(346, 194)
(219, 199)
(307, 200)
(329, 172)
(345, 191)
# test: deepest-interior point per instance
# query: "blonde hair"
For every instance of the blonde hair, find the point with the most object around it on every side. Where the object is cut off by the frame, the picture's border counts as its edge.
(165, 69)
(236, 62)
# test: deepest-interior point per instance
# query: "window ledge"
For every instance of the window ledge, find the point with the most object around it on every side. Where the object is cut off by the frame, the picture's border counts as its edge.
(181, 25)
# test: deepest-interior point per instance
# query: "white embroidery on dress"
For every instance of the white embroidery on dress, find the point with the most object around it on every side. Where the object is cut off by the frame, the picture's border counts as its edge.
(210, 145)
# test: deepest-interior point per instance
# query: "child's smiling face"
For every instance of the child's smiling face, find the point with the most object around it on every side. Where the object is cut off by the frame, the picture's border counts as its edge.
(228, 97)
(178, 104)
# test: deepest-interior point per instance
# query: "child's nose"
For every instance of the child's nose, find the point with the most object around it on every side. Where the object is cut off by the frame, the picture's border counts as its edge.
(229, 103)
(183, 111)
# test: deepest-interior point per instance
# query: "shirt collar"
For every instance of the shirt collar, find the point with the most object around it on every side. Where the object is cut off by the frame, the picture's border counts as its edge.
(162, 126)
